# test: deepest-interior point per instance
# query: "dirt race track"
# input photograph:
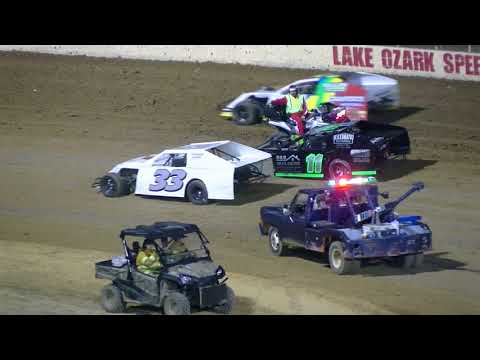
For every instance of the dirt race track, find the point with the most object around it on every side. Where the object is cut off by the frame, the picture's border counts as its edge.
(66, 120)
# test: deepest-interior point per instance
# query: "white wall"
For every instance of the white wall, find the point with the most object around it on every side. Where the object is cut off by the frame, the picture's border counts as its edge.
(388, 60)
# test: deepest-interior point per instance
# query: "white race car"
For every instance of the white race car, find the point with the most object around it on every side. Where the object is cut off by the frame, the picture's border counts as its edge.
(198, 172)
(359, 92)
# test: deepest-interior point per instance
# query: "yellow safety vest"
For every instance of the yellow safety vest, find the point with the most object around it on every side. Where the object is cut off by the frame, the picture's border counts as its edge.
(294, 105)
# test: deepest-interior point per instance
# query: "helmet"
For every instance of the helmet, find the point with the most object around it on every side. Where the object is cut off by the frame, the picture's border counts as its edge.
(292, 89)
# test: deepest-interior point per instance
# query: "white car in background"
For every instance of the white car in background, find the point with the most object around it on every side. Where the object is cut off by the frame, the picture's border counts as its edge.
(381, 93)
(198, 172)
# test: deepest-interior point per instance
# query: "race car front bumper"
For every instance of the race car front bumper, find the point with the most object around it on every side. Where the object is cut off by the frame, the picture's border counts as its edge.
(226, 112)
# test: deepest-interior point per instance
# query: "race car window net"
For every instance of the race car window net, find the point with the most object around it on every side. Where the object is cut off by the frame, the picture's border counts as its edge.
(223, 154)
(174, 160)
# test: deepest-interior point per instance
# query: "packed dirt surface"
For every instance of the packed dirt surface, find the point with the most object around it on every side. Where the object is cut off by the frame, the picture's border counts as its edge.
(66, 120)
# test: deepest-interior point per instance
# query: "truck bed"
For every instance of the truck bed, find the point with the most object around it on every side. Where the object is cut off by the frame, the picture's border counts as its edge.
(106, 270)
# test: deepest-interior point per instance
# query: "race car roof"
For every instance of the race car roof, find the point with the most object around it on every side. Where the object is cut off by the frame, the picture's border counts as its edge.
(236, 154)
(203, 145)
(159, 229)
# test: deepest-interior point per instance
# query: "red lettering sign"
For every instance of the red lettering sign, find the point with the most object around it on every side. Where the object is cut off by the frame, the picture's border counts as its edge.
(386, 58)
(335, 56)
(459, 62)
(418, 61)
(469, 65)
(358, 56)
(428, 60)
(447, 60)
(396, 59)
(407, 60)
(346, 56)
(476, 64)
(368, 57)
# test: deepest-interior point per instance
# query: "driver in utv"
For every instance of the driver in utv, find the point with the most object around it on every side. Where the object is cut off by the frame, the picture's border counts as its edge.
(148, 261)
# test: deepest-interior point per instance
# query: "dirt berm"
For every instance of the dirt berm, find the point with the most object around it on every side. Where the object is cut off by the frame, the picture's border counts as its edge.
(66, 120)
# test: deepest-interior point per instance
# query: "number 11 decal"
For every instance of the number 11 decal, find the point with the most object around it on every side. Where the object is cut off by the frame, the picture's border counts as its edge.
(314, 163)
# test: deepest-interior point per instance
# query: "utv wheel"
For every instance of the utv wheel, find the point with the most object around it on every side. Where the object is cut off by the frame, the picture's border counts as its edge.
(227, 305)
(176, 304)
(197, 193)
(112, 299)
(337, 260)
(114, 185)
(337, 168)
(275, 242)
(247, 113)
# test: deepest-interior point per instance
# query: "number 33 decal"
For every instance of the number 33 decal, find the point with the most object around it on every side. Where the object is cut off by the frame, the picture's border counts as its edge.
(161, 177)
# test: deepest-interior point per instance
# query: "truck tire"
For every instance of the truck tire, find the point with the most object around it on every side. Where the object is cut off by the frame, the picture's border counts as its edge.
(275, 242)
(176, 303)
(337, 167)
(227, 305)
(406, 261)
(418, 260)
(114, 185)
(112, 299)
(247, 113)
(197, 192)
(337, 260)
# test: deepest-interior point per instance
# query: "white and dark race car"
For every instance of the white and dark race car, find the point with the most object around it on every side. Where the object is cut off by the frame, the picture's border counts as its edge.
(198, 172)
(358, 92)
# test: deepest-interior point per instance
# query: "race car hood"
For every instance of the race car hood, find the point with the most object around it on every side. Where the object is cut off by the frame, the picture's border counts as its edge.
(135, 163)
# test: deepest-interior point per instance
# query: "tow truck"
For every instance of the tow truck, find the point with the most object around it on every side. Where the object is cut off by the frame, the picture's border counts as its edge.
(345, 220)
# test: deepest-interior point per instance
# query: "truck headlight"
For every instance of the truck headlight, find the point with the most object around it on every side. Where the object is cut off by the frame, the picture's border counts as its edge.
(220, 272)
(185, 279)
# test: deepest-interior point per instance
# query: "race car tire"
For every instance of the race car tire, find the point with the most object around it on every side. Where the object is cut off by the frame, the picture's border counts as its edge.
(226, 306)
(176, 303)
(247, 113)
(337, 167)
(112, 299)
(114, 185)
(197, 192)
(275, 242)
(338, 263)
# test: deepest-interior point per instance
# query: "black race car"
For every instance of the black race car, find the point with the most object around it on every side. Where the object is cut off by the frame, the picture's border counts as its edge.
(337, 150)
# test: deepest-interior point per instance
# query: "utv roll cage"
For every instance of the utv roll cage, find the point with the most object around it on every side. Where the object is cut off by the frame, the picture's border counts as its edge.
(158, 230)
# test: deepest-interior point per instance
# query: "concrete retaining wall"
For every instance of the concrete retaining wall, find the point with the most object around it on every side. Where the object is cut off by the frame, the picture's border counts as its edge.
(379, 59)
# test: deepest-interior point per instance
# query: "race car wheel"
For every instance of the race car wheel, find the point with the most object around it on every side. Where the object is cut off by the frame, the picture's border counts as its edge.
(114, 185)
(275, 241)
(337, 168)
(176, 303)
(247, 113)
(197, 193)
(227, 305)
(337, 260)
(112, 299)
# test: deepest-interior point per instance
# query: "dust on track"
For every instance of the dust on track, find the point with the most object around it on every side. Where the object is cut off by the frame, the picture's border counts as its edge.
(66, 120)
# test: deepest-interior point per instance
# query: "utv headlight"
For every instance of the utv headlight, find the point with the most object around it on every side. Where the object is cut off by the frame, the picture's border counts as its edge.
(220, 272)
(185, 279)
